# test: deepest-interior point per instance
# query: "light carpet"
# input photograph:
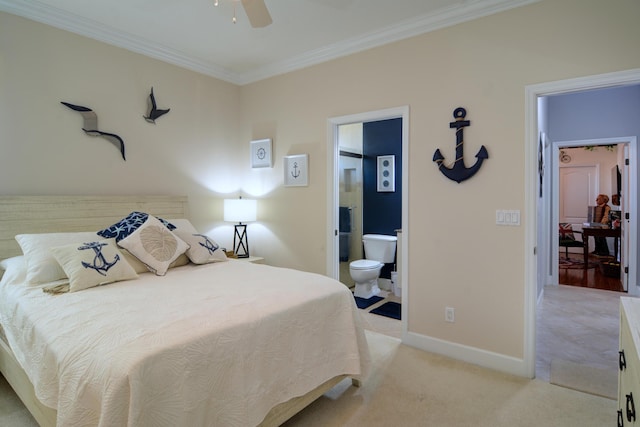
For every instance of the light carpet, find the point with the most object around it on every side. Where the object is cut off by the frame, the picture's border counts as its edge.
(409, 387)
(585, 378)
(12, 411)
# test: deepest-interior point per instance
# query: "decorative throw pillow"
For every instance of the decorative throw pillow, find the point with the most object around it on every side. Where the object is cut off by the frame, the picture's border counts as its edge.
(203, 249)
(137, 265)
(92, 264)
(141, 267)
(128, 225)
(155, 245)
(566, 231)
(42, 267)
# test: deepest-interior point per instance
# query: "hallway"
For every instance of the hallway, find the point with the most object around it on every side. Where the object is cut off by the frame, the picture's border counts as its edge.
(578, 325)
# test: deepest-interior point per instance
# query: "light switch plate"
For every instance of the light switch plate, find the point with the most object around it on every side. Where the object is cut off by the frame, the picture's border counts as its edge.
(508, 217)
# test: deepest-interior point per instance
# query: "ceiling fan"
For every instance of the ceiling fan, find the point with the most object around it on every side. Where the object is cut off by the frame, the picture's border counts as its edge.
(256, 11)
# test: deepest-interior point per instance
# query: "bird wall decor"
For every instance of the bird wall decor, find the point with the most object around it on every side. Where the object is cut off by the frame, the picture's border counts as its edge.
(91, 126)
(154, 112)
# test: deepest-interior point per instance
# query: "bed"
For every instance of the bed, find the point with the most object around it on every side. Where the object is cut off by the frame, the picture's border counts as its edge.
(220, 343)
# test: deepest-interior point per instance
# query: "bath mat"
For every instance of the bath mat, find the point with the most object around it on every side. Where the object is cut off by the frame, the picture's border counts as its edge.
(389, 309)
(584, 378)
(365, 303)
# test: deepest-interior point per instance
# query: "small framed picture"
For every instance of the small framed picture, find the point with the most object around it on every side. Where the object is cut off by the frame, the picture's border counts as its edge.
(261, 153)
(386, 174)
(296, 170)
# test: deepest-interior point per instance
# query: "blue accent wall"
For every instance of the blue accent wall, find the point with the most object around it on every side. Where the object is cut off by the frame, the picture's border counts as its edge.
(382, 211)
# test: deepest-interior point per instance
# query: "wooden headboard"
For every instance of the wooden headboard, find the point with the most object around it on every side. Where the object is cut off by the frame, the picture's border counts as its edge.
(51, 214)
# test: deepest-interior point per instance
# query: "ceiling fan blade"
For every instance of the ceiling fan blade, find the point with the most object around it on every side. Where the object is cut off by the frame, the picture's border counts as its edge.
(257, 13)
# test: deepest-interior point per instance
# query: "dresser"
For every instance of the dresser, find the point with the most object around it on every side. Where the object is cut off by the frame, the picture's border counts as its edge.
(629, 363)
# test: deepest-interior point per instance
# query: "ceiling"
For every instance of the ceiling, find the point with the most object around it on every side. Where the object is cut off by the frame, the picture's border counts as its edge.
(196, 35)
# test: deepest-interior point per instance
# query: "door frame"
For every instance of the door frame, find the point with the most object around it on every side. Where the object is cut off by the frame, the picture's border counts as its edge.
(632, 255)
(333, 193)
(531, 141)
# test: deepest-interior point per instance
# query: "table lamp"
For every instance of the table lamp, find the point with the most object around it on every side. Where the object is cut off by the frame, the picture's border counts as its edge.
(240, 210)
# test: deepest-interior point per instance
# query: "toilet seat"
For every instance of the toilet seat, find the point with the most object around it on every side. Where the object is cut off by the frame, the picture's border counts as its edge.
(365, 264)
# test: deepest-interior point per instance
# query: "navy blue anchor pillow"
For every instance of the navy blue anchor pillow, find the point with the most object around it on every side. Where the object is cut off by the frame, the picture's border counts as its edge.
(91, 264)
(203, 249)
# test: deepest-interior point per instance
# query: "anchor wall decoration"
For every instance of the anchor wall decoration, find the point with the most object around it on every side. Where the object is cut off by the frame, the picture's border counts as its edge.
(459, 172)
(296, 170)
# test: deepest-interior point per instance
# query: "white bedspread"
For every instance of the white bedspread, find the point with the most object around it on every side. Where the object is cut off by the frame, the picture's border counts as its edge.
(211, 345)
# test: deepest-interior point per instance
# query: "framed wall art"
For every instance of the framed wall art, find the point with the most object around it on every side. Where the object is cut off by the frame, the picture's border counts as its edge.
(386, 174)
(296, 170)
(261, 153)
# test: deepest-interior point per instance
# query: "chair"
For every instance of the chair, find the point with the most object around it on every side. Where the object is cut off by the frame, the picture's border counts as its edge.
(567, 238)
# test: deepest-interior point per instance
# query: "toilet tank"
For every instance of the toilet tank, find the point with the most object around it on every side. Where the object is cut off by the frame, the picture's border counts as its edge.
(379, 247)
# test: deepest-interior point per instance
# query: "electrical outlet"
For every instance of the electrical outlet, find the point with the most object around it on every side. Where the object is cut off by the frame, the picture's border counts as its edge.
(449, 314)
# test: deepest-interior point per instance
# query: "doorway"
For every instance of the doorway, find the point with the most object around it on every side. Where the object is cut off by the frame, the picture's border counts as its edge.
(370, 191)
(333, 194)
(591, 167)
(538, 237)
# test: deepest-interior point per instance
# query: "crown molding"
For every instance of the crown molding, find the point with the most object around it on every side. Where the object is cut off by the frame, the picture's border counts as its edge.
(453, 15)
(450, 16)
(63, 20)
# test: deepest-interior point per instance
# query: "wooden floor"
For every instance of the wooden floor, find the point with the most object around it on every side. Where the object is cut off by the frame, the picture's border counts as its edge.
(591, 278)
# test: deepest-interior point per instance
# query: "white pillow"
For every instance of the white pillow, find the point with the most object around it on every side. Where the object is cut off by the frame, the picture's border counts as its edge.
(182, 224)
(203, 249)
(93, 263)
(15, 270)
(41, 265)
(155, 245)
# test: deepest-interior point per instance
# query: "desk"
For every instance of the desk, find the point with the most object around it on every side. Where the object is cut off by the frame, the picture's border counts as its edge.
(599, 232)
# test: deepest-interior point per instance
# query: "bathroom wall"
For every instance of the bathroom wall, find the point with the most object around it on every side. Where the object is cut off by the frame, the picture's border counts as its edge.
(350, 143)
(382, 211)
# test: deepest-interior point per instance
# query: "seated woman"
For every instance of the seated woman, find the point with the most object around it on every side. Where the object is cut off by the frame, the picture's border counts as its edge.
(602, 216)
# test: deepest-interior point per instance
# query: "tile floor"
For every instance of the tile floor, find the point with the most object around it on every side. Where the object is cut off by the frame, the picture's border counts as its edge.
(578, 325)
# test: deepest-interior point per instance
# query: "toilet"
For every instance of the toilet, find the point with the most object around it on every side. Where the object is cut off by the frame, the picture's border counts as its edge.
(379, 249)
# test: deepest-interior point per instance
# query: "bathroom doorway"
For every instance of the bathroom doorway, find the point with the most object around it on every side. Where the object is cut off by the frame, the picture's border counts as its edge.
(347, 172)
(370, 193)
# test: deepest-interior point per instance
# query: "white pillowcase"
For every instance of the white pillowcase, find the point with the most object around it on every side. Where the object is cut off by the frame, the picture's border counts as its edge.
(155, 245)
(203, 249)
(15, 270)
(42, 267)
(93, 263)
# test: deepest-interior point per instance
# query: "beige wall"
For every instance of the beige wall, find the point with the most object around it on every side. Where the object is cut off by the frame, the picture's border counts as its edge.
(457, 255)
(43, 149)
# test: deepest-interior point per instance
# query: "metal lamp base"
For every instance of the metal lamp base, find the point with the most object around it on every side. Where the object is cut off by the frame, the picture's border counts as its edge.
(240, 241)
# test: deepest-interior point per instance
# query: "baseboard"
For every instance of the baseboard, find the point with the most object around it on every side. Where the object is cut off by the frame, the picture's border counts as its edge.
(476, 356)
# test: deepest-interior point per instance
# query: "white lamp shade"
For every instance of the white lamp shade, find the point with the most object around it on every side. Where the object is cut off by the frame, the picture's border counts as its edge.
(239, 210)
